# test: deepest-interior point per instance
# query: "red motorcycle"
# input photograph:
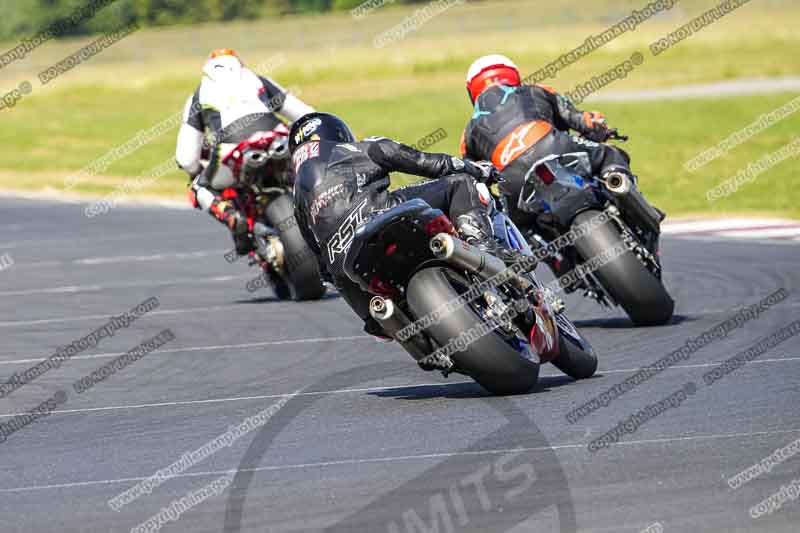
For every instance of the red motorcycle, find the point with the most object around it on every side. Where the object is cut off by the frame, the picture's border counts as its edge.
(264, 175)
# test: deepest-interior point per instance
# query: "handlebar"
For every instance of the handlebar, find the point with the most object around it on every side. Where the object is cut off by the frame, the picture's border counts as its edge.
(615, 135)
(494, 177)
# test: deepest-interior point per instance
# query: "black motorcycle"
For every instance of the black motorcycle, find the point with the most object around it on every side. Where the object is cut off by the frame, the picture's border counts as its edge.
(564, 197)
(457, 309)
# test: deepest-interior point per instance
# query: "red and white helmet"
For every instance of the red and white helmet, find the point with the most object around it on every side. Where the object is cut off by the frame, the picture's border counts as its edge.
(491, 70)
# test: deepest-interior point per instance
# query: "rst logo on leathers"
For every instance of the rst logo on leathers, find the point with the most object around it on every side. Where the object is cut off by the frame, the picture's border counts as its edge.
(340, 241)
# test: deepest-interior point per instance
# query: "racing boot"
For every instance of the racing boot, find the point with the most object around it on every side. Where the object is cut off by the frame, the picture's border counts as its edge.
(476, 229)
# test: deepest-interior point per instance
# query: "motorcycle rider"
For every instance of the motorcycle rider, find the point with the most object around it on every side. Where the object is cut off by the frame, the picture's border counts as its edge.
(231, 103)
(339, 181)
(515, 125)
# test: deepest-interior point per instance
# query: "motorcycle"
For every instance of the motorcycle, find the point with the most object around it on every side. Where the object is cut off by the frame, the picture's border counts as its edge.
(288, 265)
(562, 194)
(457, 309)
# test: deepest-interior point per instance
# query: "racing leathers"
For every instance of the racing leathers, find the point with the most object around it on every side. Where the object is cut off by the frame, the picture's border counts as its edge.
(515, 126)
(337, 185)
(230, 105)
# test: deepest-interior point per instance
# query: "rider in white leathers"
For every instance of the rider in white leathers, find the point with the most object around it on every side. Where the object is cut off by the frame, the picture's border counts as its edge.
(231, 103)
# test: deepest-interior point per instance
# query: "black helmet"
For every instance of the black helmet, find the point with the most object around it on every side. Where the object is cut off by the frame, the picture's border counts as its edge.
(319, 127)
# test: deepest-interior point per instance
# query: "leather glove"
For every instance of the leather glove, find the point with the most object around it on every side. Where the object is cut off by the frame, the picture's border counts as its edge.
(483, 171)
(598, 129)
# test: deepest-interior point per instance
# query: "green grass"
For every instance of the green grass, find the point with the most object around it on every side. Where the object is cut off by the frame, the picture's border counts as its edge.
(664, 136)
(413, 87)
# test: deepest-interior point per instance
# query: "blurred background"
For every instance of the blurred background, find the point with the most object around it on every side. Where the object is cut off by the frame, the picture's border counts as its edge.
(406, 89)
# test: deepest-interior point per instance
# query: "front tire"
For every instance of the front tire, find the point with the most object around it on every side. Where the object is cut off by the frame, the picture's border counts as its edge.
(493, 363)
(302, 276)
(573, 361)
(636, 289)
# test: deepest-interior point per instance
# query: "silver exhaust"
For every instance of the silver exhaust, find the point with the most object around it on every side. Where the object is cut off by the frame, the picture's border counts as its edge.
(467, 257)
(255, 159)
(464, 256)
(392, 319)
(631, 201)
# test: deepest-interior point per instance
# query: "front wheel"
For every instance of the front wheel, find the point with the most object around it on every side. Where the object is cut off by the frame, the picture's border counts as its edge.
(490, 359)
(629, 282)
(302, 280)
(573, 361)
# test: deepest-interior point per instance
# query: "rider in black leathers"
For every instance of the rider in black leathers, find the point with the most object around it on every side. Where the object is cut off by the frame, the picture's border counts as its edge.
(514, 125)
(339, 181)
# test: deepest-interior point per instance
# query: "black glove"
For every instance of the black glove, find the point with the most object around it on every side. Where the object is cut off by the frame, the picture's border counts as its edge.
(598, 135)
(483, 171)
(598, 129)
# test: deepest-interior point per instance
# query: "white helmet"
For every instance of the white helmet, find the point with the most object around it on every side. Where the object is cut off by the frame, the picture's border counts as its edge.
(490, 70)
(223, 65)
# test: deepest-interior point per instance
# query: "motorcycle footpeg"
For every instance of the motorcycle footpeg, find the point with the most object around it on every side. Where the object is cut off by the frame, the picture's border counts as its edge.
(513, 257)
(436, 361)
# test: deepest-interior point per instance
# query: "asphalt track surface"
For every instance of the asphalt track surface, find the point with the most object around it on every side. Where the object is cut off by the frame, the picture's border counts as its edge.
(370, 442)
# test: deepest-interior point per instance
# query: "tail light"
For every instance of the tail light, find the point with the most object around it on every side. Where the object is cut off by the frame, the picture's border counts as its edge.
(440, 224)
(392, 248)
(545, 174)
(381, 288)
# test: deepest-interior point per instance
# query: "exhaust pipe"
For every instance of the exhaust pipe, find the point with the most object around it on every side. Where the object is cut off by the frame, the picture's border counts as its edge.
(255, 159)
(631, 201)
(392, 319)
(466, 257)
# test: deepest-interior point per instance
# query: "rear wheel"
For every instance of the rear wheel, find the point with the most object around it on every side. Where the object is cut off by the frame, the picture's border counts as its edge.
(302, 280)
(629, 282)
(490, 360)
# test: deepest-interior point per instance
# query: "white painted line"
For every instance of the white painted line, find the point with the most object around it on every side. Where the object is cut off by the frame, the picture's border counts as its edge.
(701, 365)
(349, 391)
(237, 399)
(715, 238)
(123, 284)
(117, 237)
(401, 458)
(740, 87)
(773, 233)
(197, 349)
(214, 309)
(83, 318)
(142, 258)
(111, 260)
(704, 226)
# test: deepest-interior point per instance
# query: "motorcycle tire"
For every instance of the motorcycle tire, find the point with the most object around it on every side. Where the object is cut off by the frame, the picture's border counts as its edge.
(302, 275)
(489, 360)
(573, 361)
(643, 297)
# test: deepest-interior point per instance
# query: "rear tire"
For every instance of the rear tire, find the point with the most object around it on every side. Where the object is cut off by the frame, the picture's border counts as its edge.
(573, 361)
(303, 279)
(496, 366)
(628, 281)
